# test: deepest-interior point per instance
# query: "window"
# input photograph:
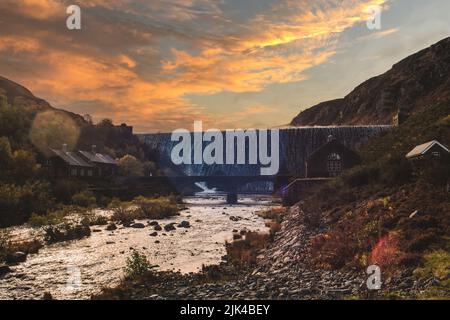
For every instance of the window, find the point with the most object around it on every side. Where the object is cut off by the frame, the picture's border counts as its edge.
(82, 172)
(334, 164)
(90, 172)
(436, 154)
(73, 172)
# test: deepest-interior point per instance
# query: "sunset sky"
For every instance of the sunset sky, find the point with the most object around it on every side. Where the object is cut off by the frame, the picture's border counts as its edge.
(161, 64)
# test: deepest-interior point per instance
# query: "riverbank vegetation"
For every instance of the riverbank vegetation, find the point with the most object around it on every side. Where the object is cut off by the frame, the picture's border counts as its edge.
(387, 211)
(27, 189)
(145, 208)
(13, 252)
(137, 265)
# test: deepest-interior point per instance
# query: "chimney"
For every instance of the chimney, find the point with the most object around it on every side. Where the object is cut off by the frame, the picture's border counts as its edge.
(64, 147)
(94, 149)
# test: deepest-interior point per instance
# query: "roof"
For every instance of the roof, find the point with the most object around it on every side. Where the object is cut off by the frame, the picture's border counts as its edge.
(423, 148)
(98, 157)
(72, 158)
(332, 143)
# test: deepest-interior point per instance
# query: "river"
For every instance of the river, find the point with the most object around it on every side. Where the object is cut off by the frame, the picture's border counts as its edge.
(77, 269)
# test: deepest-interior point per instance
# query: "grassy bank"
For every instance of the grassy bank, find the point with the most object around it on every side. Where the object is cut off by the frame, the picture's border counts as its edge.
(386, 211)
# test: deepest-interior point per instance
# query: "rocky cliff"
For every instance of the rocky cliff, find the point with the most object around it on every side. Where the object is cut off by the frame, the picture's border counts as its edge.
(415, 82)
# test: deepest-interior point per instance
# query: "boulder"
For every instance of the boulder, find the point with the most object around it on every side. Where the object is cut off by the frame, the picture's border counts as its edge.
(153, 234)
(127, 224)
(4, 269)
(138, 225)
(157, 227)
(16, 257)
(47, 296)
(169, 227)
(184, 224)
(153, 223)
(237, 236)
(112, 226)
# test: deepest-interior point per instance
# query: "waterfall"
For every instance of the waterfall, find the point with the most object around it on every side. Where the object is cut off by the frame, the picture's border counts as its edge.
(205, 188)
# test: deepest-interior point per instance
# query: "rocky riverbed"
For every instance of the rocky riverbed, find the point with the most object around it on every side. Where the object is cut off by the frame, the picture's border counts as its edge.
(283, 271)
(80, 268)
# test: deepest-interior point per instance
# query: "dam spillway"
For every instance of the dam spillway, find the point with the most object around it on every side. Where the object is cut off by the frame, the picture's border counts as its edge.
(295, 145)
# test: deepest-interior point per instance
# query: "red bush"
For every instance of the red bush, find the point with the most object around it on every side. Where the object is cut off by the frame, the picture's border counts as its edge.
(385, 253)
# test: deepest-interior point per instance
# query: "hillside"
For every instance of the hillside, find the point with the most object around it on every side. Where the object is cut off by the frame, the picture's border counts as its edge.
(415, 82)
(29, 127)
(25, 105)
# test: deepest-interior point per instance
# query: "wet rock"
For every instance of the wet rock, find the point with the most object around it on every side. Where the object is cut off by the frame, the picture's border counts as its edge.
(138, 225)
(4, 269)
(47, 296)
(157, 228)
(184, 224)
(237, 236)
(112, 226)
(153, 223)
(169, 227)
(16, 257)
(127, 224)
(153, 234)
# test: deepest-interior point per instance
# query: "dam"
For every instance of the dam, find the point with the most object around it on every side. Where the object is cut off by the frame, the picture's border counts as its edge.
(295, 145)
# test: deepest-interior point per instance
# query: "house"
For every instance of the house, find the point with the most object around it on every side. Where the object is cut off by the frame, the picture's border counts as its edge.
(429, 156)
(330, 160)
(80, 164)
(430, 149)
(103, 163)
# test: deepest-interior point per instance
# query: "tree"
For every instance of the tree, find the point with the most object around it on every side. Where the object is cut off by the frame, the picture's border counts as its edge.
(23, 166)
(130, 166)
(5, 156)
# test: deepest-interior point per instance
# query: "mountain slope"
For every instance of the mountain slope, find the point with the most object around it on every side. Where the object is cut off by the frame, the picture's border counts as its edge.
(18, 95)
(417, 81)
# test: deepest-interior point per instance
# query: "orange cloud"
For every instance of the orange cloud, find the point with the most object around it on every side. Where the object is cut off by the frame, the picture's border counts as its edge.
(138, 80)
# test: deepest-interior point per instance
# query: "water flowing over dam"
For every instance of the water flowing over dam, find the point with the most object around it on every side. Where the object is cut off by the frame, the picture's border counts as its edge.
(295, 145)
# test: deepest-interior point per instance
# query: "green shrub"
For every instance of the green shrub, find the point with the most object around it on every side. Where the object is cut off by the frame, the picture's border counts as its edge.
(361, 175)
(84, 199)
(121, 212)
(50, 218)
(65, 189)
(158, 208)
(66, 232)
(437, 266)
(17, 203)
(137, 265)
(98, 221)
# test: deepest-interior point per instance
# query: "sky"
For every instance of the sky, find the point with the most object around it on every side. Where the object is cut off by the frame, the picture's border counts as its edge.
(160, 65)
